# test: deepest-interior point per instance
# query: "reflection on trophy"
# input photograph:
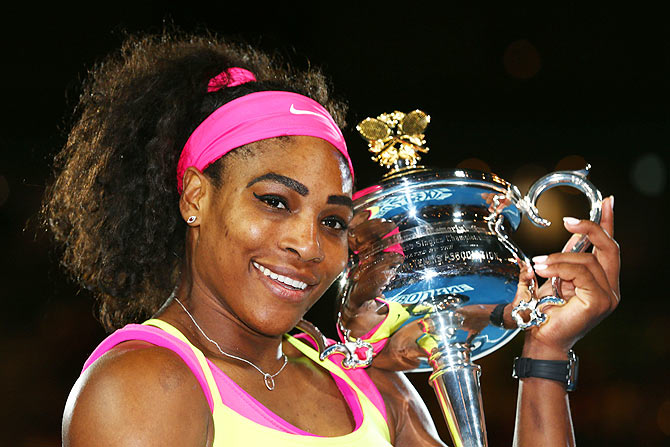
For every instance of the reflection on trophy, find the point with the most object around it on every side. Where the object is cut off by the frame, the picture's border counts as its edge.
(433, 247)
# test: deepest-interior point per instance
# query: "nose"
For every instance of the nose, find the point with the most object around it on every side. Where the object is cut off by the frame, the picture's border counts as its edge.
(301, 236)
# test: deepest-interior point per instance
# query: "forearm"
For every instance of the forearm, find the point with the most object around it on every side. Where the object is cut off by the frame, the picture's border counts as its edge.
(543, 414)
(543, 408)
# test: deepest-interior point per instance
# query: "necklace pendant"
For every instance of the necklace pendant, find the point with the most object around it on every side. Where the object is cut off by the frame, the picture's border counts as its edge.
(269, 381)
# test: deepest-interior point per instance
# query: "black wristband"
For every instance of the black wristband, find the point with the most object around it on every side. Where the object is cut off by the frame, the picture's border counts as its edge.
(559, 370)
(496, 316)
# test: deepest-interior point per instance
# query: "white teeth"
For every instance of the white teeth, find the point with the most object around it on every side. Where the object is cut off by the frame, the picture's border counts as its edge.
(283, 279)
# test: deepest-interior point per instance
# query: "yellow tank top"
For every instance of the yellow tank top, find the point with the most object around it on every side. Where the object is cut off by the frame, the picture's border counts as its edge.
(233, 429)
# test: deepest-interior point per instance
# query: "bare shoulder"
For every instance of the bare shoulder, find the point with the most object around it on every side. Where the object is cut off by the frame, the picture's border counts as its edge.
(136, 394)
(409, 418)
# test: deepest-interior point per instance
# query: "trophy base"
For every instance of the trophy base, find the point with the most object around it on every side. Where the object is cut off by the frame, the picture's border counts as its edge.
(457, 387)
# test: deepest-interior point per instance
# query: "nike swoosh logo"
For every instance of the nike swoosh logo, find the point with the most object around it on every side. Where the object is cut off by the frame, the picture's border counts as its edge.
(295, 111)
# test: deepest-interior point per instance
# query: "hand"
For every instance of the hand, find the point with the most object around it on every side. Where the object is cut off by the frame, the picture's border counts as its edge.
(589, 284)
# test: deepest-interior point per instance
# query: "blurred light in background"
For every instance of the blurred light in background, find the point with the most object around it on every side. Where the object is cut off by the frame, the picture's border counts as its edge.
(552, 205)
(475, 164)
(4, 190)
(648, 174)
(526, 175)
(664, 417)
(521, 59)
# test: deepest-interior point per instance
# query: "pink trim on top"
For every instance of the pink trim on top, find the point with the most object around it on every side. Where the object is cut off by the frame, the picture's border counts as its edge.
(234, 396)
(357, 375)
(157, 337)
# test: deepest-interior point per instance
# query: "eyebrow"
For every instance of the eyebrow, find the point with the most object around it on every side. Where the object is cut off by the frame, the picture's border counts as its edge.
(286, 181)
(340, 200)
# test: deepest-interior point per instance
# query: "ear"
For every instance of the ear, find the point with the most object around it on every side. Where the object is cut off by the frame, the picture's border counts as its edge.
(194, 196)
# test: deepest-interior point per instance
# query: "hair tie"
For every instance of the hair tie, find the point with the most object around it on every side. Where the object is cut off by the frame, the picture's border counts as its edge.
(230, 78)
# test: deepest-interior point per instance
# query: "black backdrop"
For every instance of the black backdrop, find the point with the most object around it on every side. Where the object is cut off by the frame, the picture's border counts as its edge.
(520, 91)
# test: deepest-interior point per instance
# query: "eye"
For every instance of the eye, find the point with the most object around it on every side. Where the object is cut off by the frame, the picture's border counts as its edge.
(273, 201)
(336, 223)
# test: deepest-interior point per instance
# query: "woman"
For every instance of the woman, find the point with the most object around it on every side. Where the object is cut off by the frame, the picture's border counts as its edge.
(205, 187)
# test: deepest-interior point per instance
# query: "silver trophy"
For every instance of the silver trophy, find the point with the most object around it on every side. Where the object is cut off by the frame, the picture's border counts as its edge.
(435, 246)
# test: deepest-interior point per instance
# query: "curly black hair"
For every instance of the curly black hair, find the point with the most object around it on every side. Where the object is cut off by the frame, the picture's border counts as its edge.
(113, 204)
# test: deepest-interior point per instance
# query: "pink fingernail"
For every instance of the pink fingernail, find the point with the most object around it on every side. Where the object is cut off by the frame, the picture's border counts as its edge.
(539, 259)
(540, 267)
(570, 220)
(612, 201)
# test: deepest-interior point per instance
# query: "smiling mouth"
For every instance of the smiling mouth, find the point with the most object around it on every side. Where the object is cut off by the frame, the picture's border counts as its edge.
(285, 280)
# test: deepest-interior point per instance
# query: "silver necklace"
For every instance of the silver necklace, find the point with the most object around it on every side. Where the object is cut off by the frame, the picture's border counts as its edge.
(269, 379)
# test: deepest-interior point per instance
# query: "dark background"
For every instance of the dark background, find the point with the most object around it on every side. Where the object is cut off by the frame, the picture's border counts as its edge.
(520, 91)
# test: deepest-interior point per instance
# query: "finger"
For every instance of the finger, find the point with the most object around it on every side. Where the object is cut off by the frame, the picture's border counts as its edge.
(607, 217)
(585, 309)
(606, 222)
(584, 277)
(526, 285)
(559, 261)
(585, 259)
(606, 248)
(598, 235)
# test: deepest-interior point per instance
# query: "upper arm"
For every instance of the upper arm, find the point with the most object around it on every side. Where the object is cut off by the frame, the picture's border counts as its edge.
(133, 397)
(411, 423)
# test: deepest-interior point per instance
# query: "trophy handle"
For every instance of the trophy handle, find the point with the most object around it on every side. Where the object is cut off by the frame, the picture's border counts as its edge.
(527, 204)
(357, 354)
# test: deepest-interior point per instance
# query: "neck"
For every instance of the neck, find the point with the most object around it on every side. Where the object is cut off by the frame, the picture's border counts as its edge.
(222, 326)
(217, 321)
(230, 341)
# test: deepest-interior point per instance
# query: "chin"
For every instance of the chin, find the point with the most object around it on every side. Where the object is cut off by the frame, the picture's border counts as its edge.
(275, 324)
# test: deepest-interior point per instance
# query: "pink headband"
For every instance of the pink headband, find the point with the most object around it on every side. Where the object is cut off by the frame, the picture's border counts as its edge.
(254, 117)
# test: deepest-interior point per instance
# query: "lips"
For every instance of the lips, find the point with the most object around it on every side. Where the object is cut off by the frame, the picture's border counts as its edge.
(284, 280)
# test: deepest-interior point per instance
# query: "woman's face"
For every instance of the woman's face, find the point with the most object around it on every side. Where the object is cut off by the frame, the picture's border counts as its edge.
(273, 237)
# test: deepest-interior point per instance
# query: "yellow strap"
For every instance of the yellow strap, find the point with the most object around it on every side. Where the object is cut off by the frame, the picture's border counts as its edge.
(313, 355)
(370, 410)
(396, 317)
(213, 389)
(220, 410)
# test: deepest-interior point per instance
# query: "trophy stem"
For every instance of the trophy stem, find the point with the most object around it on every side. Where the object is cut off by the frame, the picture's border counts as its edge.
(456, 384)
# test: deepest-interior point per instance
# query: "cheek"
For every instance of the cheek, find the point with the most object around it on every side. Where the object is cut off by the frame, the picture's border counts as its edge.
(216, 252)
(253, 234)
(233, 235)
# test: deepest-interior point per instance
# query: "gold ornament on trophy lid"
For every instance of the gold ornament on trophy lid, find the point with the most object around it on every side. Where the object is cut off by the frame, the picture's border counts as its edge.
(396, 139)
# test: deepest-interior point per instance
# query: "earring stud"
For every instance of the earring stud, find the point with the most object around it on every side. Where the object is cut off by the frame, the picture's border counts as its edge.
(191, 219)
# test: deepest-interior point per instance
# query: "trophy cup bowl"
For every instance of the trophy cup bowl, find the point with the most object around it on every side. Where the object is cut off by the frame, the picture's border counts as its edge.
(438, 243)
(435, 246)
